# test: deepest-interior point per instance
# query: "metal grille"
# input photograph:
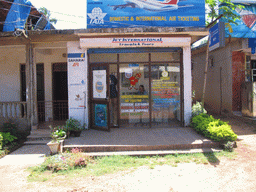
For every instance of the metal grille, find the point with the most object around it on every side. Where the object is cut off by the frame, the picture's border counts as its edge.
(41, 111)
(60, 110)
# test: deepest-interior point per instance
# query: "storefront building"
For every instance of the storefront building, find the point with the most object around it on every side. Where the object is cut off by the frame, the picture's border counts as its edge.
(131, 80)
(108, 75)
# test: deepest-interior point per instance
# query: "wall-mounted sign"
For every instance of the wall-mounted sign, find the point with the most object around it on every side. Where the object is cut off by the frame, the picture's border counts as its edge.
(141, 13)
(76, 64)
(217, 36)
(99, 84)
(134, 42)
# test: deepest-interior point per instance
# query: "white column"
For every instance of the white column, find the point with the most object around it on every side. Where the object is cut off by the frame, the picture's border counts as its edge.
(187, 85)
(77, 82)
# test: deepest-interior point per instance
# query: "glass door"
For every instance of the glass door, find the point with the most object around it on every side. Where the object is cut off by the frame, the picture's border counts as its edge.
(134, 95)
(165, 94)
(99, 97)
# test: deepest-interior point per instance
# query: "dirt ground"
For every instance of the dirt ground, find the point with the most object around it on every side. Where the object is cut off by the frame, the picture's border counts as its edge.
(238, 174)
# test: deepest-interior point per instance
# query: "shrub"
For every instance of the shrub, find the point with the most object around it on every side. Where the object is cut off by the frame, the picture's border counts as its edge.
(221, 132)
(13, 130)
(65, 161)
(7, 138)
(212, 128)
(229, 146)
(198, 109)
(200, 122)
(1, 141)
(73, 125)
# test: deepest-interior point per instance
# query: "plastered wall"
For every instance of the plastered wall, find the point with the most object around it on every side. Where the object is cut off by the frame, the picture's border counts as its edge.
(10, 60)
(218, 96)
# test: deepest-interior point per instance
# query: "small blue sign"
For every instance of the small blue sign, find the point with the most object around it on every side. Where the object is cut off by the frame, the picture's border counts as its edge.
(76, 55)
(252, 44)
(100, 111)
(141, 13)
(134, 65)
(217, 36)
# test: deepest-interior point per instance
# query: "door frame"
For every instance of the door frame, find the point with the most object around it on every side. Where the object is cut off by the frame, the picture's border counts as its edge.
(93, 101)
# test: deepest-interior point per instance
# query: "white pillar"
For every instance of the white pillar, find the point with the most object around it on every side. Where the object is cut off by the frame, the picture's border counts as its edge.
(187, 85)
(77, 82)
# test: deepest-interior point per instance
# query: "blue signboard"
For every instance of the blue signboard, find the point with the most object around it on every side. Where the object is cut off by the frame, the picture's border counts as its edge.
(246, 25)
(141, 13)
(217, 36)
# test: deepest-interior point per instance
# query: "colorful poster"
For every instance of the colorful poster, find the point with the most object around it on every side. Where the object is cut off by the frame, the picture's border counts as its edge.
(99, 84)
(246, 25)
(141, 13)
(101, 115)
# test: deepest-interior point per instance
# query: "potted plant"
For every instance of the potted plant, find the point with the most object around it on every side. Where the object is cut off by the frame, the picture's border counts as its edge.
(58, 135)
(74, 126)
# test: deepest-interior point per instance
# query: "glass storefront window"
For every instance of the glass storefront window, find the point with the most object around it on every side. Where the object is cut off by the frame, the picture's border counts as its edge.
(165, 94)
(134, 95)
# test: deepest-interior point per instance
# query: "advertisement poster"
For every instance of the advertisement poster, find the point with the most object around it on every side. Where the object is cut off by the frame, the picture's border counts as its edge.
(99, 84)
(101, 115)
(75, 66)
(141, 13)
(246, 25)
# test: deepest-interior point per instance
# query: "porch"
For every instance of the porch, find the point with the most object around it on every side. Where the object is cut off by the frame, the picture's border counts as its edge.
(130, 141)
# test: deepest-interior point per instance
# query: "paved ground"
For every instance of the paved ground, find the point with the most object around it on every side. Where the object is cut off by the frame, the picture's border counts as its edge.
(226, 175)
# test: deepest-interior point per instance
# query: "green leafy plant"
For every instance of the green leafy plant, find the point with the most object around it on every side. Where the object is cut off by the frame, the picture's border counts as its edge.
(229, 146)
(73, 125)
(11, 128)
(1, 141)
(198, 109)
(7, 138)
(212, 128)
(65, 161)
(57, 134)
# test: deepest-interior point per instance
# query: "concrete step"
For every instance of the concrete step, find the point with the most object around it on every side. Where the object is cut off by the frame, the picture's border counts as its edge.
(38, 132)
(37, 142)
(153, 153)
(119, 148)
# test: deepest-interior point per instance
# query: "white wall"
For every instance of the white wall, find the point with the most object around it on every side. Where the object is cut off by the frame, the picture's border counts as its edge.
(77, 85)
(10, 60)
(187, 85)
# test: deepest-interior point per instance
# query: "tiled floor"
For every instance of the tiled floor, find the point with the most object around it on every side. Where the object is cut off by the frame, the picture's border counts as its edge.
(159, 136)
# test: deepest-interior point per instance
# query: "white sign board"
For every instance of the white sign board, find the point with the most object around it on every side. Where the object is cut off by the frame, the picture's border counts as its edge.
(99, 84)
(135, 42)
(76, 64)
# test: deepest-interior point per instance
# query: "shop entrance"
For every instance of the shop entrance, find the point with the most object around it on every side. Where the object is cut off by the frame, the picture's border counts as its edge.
(148, 89)
(60, 91)
(104, 96)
